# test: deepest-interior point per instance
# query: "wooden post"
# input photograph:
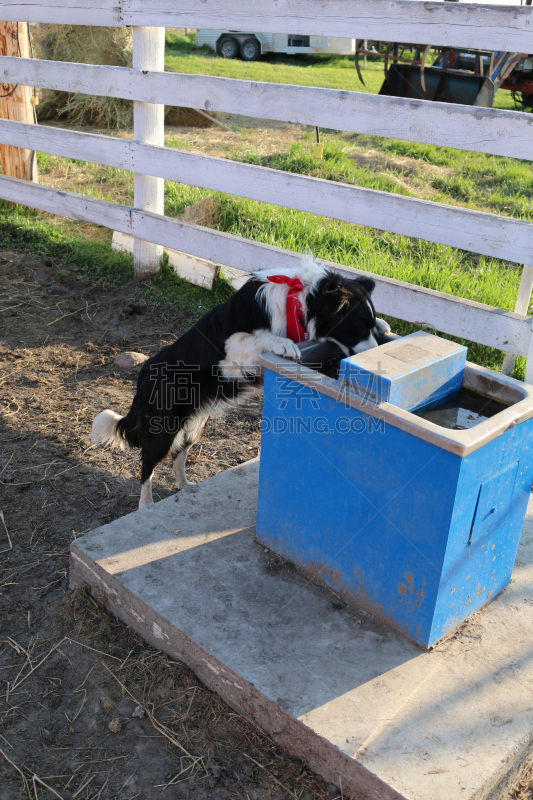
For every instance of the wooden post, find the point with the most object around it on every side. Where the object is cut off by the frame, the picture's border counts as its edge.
(521, 307)
(529, 362)
(16, 103)
(149, 128)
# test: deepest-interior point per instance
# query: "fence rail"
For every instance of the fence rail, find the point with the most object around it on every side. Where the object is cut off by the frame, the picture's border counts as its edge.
(488, 27)
(494, 327)
(482, 130)
(476, 231)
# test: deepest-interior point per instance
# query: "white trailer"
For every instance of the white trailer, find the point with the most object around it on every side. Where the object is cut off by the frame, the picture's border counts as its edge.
(249, 46)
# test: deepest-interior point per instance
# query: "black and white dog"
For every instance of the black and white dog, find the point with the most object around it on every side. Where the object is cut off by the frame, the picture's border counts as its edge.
(216, 362)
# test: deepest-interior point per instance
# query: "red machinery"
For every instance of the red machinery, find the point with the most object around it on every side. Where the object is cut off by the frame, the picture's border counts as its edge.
(520, 83)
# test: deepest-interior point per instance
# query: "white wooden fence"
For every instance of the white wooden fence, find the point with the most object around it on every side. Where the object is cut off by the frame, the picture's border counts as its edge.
(504, 133)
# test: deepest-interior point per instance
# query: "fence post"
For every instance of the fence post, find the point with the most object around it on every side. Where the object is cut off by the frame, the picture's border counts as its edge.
(16, 103)
(529, 363)
(148, 128)
(521, 307)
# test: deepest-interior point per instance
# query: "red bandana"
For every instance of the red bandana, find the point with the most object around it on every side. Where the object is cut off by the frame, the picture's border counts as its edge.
(295, 316)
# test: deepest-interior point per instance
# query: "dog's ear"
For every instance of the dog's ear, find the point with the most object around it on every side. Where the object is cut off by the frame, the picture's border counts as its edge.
(334, 285)
(368, 284)
(328, 285)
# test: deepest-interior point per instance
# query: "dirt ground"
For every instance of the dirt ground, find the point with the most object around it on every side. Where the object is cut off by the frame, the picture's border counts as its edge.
(86, 709)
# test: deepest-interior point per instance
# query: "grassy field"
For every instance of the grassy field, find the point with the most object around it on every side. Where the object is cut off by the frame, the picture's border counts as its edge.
(329, 72)
(477, 181)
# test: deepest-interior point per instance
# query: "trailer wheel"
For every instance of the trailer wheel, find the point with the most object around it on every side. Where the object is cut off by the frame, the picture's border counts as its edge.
(228, 47)
(250, 50)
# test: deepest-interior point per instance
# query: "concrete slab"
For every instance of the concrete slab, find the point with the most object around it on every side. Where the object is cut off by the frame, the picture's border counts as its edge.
(363, 707)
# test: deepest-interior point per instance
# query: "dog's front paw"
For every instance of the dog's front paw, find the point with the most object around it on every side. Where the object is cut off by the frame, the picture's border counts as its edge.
(287, 349)
(382, 326)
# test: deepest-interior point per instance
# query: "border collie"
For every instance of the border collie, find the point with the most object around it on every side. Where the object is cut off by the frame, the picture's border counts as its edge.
(216, 362)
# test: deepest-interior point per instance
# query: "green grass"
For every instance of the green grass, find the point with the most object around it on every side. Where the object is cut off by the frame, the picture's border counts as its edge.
(95, 261)
(183, 42)
(328, 72)
(27, 228)
(475, 180)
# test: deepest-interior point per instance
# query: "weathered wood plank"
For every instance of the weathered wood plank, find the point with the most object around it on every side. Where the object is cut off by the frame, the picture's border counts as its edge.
(491, 27)
(483, 130)
(66, 204)
(66, 142)
(491, 235)
(504, 330)
(64, 12)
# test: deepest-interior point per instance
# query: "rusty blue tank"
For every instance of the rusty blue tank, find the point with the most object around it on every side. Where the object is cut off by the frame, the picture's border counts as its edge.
(391, 488)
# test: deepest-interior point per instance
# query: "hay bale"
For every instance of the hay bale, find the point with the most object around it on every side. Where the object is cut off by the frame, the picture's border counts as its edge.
(85, 45)
(113, 46)
(88, 45)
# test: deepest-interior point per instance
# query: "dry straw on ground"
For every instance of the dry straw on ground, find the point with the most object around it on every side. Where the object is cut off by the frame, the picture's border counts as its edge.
(68, 667)
(89, 45)
(206, 212)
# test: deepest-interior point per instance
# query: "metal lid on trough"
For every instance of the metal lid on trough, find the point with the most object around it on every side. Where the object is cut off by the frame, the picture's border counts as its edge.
(413, 372)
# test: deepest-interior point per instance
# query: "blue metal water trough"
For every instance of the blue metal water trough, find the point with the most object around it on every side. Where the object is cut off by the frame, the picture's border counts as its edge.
(384, 486)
